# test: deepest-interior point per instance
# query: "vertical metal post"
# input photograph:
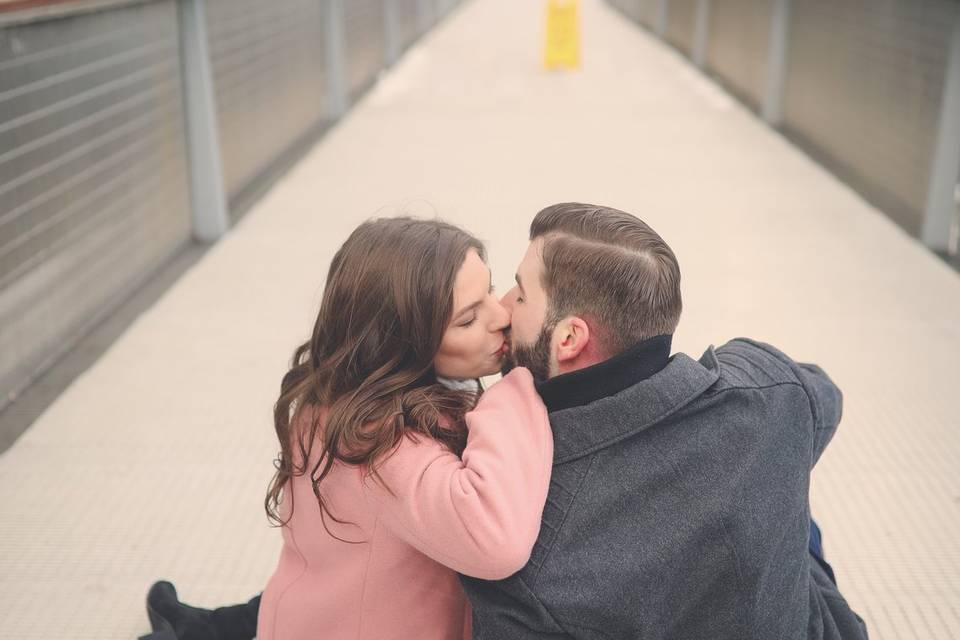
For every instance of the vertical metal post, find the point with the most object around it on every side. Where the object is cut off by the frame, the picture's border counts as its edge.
(391, 37)
(772, 107)
(663, 16)
(336, 58)
(701, 31)
(939, 230)
(208, 198)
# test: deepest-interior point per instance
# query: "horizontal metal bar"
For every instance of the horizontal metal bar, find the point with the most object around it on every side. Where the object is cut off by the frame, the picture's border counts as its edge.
(70, 47)
(148, 141)
(76, 152)
(76, 179)
(77, 125)
(140, 75)
(70, 74)
(26, 11)
(144, 178)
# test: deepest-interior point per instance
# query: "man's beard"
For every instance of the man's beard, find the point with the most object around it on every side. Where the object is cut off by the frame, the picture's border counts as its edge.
(535, 357)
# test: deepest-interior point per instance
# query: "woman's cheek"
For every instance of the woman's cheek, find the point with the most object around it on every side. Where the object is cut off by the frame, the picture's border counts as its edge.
(466, 348)
(480, 344)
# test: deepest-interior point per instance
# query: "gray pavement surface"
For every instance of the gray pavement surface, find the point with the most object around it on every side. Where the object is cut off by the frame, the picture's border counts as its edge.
(155, 461)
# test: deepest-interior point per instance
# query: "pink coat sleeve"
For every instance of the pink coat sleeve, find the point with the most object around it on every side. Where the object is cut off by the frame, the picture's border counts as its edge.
(479, 515)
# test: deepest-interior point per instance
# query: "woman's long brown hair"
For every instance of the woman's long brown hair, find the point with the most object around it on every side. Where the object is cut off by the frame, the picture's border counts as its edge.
(387, 303)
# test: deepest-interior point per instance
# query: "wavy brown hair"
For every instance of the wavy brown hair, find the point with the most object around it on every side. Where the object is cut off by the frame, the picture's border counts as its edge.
(387, 303)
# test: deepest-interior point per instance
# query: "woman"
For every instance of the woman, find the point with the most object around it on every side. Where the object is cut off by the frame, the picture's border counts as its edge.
(390, 479)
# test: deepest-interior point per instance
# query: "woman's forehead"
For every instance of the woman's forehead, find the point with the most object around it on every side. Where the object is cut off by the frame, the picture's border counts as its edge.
(474, 276)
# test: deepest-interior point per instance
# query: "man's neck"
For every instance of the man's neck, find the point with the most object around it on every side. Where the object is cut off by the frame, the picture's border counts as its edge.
(606, 378)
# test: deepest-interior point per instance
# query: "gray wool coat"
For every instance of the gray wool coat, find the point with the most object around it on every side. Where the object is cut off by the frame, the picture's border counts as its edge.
(678, 507)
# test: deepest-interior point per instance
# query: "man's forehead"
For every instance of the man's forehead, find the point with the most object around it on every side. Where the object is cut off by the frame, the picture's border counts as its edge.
(529, 269)
(532, 257)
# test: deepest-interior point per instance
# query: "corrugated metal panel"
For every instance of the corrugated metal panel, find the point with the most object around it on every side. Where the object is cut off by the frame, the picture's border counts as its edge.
(681, 22)
(364, 37)
(93, 183)
(269, 76)
(738, 45)
(408, 26)
(863, 91)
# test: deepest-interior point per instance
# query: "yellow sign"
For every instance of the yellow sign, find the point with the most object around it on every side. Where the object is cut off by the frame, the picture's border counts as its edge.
(563, 35)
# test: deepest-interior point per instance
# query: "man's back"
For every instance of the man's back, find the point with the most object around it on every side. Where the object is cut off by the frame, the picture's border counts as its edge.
(679, 507)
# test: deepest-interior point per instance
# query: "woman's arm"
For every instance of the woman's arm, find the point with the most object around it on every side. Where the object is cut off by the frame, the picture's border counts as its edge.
(479, 515)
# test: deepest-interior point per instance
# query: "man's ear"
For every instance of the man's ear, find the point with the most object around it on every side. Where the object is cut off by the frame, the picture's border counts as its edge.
(572, 335)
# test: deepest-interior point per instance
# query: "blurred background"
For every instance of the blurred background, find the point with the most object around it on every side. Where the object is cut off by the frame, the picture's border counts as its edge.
(176, 174)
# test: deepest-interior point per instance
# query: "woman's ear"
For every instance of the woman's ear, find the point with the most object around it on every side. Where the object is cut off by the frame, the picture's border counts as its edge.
(571, 335)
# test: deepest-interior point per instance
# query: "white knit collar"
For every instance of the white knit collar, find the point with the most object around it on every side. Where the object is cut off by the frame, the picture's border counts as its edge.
(469, 384)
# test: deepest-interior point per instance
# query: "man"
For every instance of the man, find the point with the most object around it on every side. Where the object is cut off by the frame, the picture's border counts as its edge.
(678, 507)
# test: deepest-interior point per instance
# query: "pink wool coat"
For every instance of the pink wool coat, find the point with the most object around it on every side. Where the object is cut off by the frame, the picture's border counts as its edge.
(478, 515)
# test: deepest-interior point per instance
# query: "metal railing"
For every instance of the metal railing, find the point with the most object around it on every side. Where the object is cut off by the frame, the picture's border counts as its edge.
(130, 127)
(870, 89)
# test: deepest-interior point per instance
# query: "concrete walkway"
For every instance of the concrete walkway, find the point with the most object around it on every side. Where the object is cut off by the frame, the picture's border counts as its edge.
(154, 463)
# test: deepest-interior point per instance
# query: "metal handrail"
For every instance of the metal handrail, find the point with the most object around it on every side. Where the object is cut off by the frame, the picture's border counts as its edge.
(24, 11)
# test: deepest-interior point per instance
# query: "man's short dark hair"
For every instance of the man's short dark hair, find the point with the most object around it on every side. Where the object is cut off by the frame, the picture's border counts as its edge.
(610, 267)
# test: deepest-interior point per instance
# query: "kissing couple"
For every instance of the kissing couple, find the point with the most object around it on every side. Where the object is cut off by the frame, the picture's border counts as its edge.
(604, 488)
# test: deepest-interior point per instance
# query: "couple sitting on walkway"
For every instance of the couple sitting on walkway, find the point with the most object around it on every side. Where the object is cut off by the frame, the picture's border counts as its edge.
(602, 489)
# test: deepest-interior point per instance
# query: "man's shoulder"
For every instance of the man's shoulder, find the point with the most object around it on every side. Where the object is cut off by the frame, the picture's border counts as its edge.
(747, 363)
